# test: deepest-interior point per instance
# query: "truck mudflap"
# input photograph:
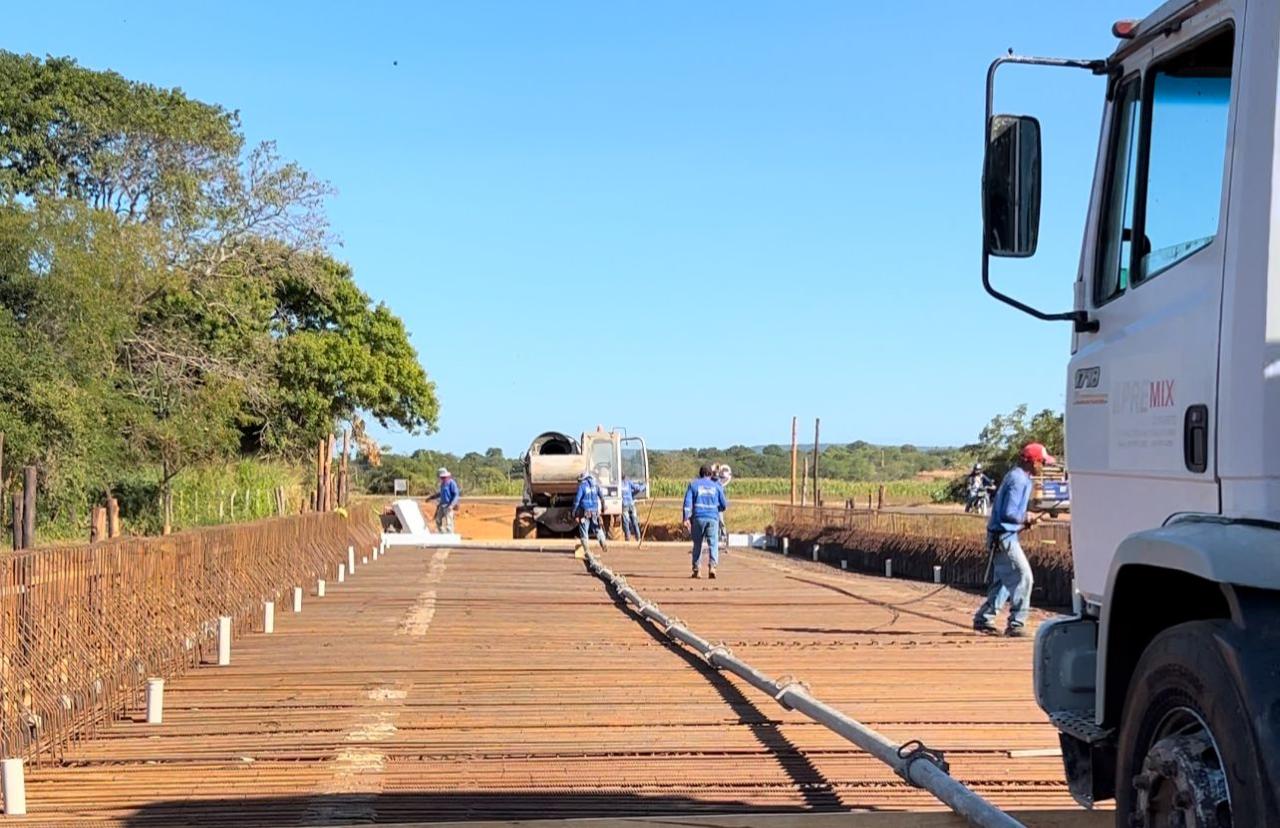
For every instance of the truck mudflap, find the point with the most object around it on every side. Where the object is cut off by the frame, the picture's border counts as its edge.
(1090, 769)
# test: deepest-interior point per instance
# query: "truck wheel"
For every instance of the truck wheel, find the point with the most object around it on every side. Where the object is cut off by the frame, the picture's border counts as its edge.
(1186, 753)
(523, 525)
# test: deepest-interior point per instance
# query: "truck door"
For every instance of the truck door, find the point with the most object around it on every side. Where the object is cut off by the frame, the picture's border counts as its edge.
(635, 463)
(1142, 389)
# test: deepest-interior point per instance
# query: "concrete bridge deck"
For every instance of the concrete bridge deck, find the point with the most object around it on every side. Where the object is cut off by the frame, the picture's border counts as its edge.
(482, 684)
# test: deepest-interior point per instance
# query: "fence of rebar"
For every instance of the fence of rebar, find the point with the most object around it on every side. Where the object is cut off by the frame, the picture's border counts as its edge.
(924, 524)
(862, 540)
(83, 627)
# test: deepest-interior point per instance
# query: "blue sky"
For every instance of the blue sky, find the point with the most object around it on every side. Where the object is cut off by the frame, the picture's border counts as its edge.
(690, 219)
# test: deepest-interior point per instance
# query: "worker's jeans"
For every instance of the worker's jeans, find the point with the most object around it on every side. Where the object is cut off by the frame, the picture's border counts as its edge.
(1010, 581)
(444, 518)
(708, 530)
(588, 525)
(630, 524)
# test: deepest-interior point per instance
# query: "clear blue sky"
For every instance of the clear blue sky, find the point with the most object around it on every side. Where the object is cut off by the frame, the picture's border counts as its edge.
(691, 219)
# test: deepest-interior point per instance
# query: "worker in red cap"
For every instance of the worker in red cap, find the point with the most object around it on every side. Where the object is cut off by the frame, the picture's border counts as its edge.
(1010, 572)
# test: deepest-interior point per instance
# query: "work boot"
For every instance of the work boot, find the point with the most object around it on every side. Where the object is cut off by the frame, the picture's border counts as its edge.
(1016, 631)
(696, 574)
(985, 629)
(711, 573)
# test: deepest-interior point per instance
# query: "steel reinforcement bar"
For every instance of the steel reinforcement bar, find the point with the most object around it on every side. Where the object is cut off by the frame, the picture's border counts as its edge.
(913, 761)
(83, 627)
(921, 524)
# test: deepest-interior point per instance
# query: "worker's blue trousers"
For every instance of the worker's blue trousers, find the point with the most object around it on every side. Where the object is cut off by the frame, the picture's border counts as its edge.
(630, 524)
(708, 530)
(1010, 581)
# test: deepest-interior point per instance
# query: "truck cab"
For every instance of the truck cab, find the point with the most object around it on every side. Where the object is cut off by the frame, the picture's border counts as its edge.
(1165, 684)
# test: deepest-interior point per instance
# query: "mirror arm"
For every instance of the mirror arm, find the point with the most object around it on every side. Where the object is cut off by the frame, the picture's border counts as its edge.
(1083, 324)
(1080, 318)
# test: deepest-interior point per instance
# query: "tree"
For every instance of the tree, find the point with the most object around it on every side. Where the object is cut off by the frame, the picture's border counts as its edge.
(165, 297)
(1001, 439)
(337, 354)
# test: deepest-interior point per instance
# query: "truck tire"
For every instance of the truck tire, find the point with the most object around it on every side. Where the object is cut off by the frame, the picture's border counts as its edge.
(523, 525)
(1187, 752)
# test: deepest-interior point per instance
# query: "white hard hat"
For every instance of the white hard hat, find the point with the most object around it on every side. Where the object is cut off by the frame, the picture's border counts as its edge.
(584, 475)
(443, 472)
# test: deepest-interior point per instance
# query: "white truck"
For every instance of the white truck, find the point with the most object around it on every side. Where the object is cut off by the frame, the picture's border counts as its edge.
(1165, 683)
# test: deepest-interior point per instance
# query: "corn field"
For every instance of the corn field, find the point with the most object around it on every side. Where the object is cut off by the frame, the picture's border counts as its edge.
(834, 492)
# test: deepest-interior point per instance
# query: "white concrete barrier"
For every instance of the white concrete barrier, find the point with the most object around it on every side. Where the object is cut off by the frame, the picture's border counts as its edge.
(155, 700)
(224, 640)
(14, 785)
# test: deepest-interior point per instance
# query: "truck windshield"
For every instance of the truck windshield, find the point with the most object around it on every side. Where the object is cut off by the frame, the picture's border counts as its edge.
(602, 466)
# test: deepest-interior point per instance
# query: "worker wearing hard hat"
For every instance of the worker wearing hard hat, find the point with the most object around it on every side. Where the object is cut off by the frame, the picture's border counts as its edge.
(447, 498)
(587, 505)
(1010, 571)
(704, 500)
(630, 521)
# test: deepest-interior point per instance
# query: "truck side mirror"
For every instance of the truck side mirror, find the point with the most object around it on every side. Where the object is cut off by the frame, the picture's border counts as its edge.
(1011, 186)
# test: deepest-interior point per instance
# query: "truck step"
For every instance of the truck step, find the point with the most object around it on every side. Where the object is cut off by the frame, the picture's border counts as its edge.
(1081, 725)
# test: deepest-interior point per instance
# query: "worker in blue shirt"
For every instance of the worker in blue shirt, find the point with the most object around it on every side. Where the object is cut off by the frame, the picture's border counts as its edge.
(587, 505)
(1010, 571)
(630, 523)
(704, 500)
(447, 498)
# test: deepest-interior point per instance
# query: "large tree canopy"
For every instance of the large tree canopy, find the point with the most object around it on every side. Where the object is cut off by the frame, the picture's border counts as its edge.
(166, 297)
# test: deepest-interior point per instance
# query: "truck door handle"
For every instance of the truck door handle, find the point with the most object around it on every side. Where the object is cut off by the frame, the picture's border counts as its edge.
(1195, 438)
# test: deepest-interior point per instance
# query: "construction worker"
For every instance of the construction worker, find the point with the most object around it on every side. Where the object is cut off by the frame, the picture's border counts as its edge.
(704, 500)
(723, 474)
(587, 505)
(1010, 571)
(630, 523)
(447, 501)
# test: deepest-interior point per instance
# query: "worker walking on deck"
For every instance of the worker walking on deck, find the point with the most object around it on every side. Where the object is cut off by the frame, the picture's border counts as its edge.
(630, 522)
(1010, 571)
(587, 505)
(704, 500)
(447, 498)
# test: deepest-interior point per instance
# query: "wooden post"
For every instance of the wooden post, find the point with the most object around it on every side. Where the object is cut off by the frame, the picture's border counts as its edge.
(97, 524)
(3, 499)
(318, 500)
(113, 516)
(804, 481)
(793, 461)
(344, 484)
(17, 521)
(280, 501)
(331, 483)
(817, 501)
(880, 497)
(28, 507)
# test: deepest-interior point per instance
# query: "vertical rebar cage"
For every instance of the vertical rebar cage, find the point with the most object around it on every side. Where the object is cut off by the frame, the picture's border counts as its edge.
(83, 627)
